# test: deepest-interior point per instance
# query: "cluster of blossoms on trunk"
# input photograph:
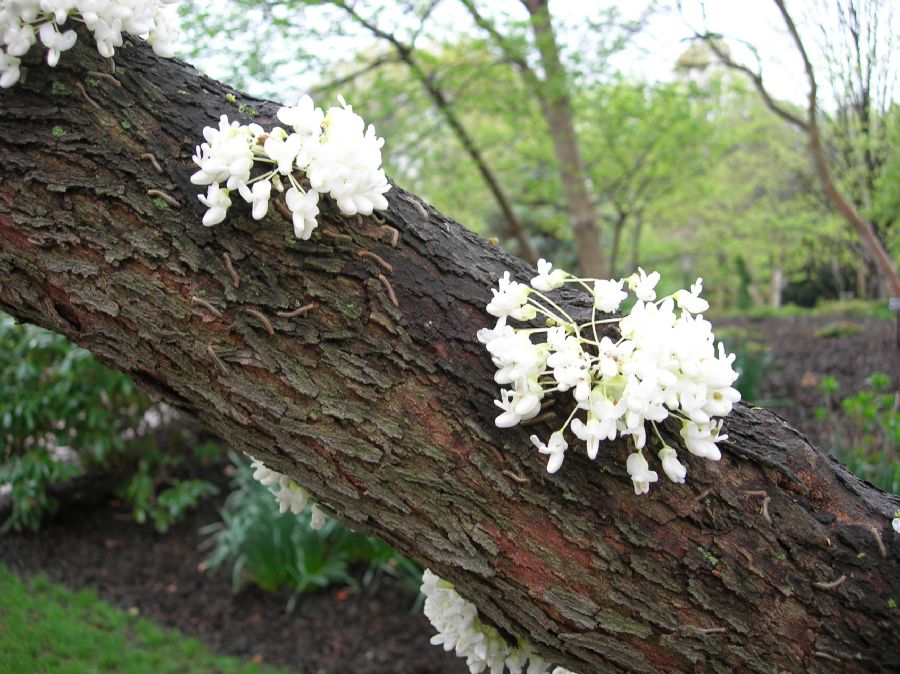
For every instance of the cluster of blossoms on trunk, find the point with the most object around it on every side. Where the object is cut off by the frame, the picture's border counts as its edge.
(23, 22)
(456, 621)
(335, 151)
(660, 361)
(290, 495)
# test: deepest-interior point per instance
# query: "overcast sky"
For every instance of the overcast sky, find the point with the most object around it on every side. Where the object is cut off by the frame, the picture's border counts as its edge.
(657, 48)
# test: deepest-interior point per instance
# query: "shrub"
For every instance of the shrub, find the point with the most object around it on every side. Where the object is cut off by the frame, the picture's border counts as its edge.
(838, 329)
(865, 429)
(62, 413)
(280, 551)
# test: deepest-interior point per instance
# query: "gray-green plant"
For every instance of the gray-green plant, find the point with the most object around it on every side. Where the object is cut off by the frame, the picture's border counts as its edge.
(281, 551)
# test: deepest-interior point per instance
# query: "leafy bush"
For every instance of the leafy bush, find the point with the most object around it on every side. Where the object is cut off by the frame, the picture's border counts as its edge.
(280, 551)
(853, 308)
(865, 429)
(62, 413)
(838, 329)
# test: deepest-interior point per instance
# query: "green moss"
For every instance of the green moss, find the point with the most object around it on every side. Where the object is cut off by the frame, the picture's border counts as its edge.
(891, 603)
(92, 82)
(126, 124)
(230, 98)
(711, 559)
(160, 203)
(57, 88)
(248, 111)
(58, 132)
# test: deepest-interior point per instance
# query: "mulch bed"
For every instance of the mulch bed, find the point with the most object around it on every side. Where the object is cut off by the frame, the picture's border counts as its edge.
(335, 631)
(798, 359)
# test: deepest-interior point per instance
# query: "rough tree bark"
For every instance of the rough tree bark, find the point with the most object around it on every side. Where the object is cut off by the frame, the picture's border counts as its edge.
(774, 559)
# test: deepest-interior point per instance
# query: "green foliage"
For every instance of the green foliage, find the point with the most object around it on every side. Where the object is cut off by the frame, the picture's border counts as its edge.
(62, 413)
(849, 308)
(838, 329)
(865, 429)
(47, 628)
(752, 358)
(280, 551)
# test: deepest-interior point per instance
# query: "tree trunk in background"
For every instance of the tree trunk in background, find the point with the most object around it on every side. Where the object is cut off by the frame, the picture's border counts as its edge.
(777, 286)
(557, 108)
(774, 559)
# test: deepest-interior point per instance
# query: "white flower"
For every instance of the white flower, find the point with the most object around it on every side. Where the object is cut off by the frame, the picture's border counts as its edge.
(317, 518)
(459, 629)
(524, 402)
(106, 19)
(304, 208)
(283, 148)
(556, 448)
(9, 70)
(305, 118)
(671, 466)
(701, 439)
(288, 494)
(663, 362)
(339, 155)
(487, 335)
(263, 475)
(608, 295)
(896, 524)
(510, 299)
(291, 497)
(641, 476)
(56, 42)
(258, 197)
(18, 38)
(217, 201)
(591, 432)
(547, 279)
(346, 163)
(643, 285)
(691, 301)
(226, 156)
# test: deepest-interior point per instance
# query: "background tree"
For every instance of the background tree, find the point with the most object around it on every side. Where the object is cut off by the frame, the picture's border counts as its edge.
(859, 79)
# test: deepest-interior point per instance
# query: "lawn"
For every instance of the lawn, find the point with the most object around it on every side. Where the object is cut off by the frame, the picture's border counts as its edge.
(45, 628)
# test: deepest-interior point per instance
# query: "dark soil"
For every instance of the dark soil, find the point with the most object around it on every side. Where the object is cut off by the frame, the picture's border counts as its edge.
(336, 631)
(797, 357)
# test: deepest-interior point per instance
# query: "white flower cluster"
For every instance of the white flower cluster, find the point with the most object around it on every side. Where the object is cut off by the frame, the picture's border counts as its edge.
(459, 629)
(22, 22)
(663, 364)
(290, 495)
(338, 154)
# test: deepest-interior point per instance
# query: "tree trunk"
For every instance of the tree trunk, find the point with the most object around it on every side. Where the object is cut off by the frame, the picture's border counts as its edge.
(774, 559)
(557, 108)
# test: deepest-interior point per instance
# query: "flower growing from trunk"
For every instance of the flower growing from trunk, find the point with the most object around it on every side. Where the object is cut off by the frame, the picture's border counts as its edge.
(335, 151)
(106, 19)
(624, 374)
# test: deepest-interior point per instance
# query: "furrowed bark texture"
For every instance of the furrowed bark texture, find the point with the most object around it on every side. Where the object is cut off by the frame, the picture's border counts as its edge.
(774, 559)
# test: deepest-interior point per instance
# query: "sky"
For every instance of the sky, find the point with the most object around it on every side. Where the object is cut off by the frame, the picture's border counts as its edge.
(653, 52)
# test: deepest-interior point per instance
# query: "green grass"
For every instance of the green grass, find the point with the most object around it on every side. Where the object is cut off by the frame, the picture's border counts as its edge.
(47, 629)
